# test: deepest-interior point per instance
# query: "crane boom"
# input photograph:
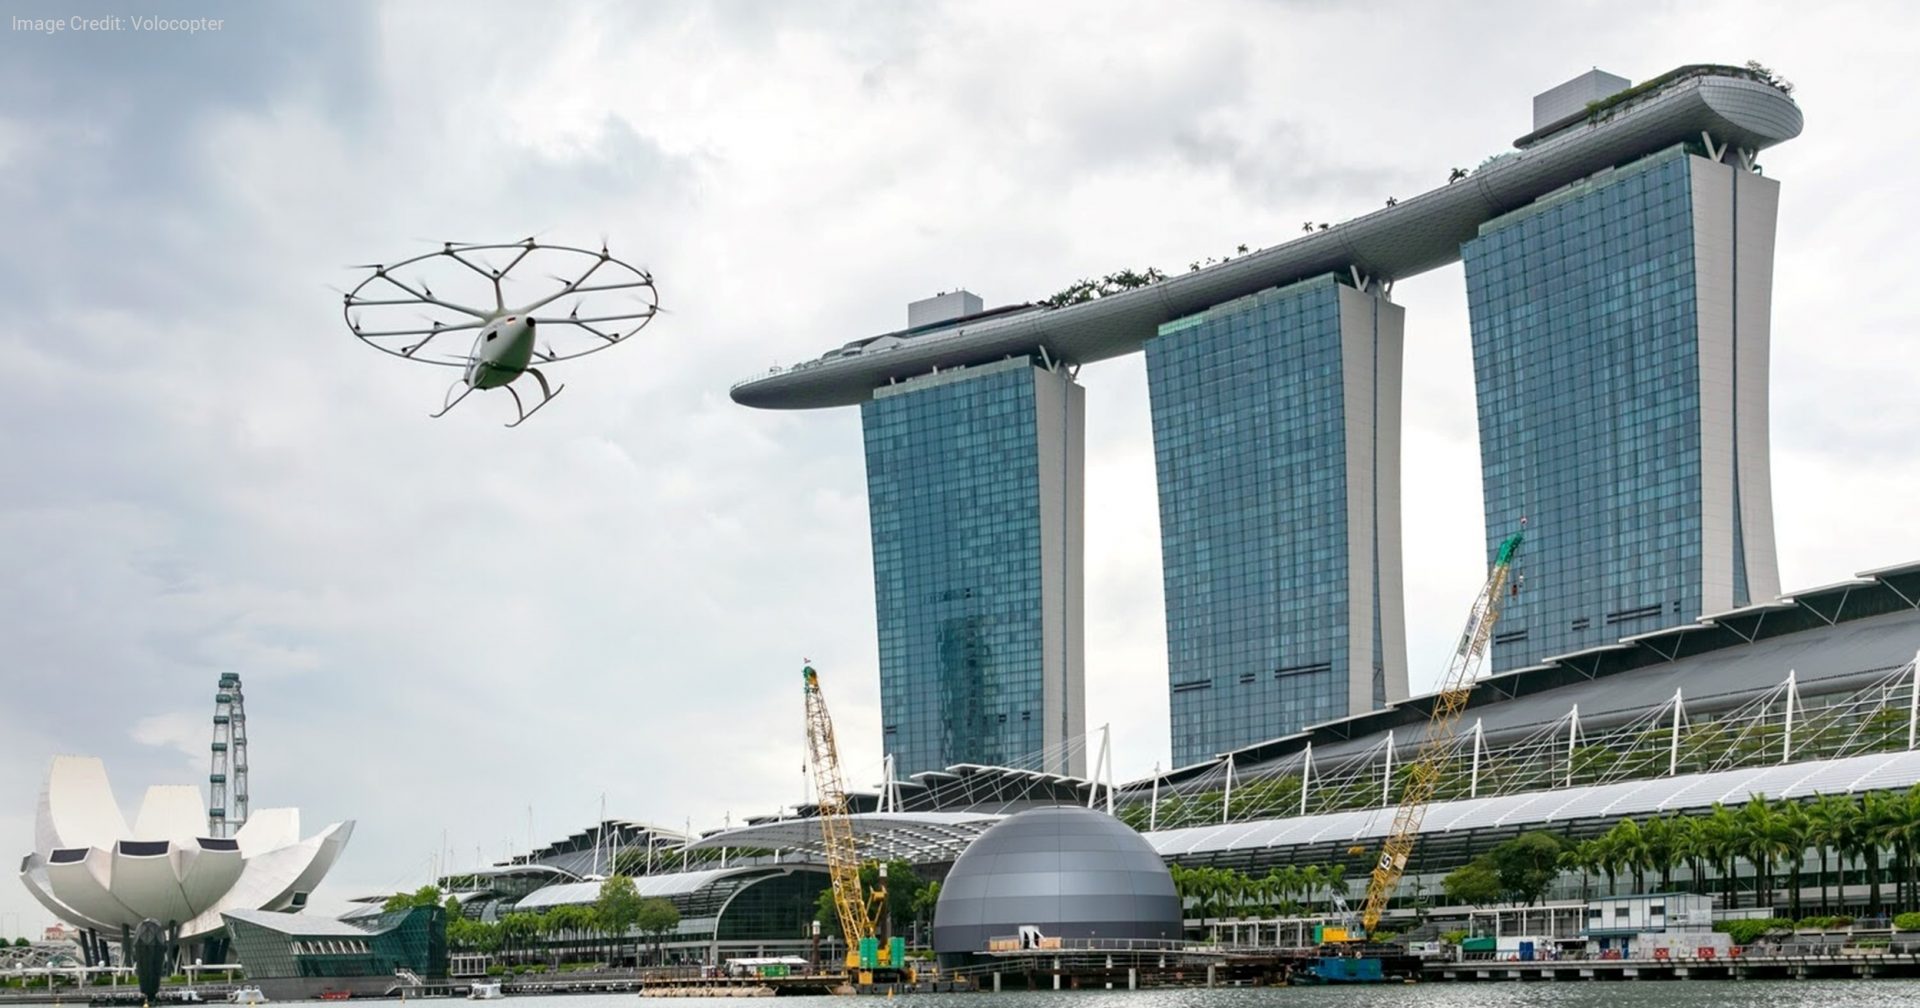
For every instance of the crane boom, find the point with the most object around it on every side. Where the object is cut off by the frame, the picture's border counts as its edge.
(1423, 773)
(836, 829)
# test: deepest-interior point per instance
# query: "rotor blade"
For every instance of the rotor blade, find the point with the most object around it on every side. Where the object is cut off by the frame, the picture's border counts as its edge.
(433, 331)
(574, 320)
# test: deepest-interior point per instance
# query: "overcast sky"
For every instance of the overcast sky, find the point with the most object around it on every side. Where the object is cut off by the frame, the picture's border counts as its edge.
(442, 624)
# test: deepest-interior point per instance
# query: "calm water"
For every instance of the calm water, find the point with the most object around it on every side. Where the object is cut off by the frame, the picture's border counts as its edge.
(1629, 994)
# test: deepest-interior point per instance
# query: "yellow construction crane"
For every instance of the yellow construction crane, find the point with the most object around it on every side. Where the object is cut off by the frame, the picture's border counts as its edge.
(1423, 773)
(859, 911)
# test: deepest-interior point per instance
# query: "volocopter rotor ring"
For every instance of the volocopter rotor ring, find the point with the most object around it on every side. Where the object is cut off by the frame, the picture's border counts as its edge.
(395, 309)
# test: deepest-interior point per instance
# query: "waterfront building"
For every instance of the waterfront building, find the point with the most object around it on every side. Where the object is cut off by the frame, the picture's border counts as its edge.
(1620, 346)
(1276, 425)
(1587, 276)
(974, 480)
(1056, 873)
(93, 870)
(301, 956)
(1807, 699)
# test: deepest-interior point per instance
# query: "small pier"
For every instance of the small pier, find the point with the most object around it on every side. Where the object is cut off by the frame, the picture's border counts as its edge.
(1751, 964)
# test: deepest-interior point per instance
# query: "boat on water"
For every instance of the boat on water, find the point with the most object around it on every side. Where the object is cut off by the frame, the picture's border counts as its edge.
(247, 996)
(485, 990)
(1340, 970)
(335, 995)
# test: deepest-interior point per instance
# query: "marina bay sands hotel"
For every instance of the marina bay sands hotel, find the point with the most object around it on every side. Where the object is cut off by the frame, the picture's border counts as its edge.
(1619, 267)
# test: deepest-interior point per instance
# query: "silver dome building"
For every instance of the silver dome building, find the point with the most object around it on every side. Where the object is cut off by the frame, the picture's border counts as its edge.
(1068, 871)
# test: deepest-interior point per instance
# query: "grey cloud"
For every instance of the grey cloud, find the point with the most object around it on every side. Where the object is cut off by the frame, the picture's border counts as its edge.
(441, 622)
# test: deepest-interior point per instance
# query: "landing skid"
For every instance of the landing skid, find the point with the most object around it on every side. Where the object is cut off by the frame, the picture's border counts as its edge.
(451, 399)
(547, 395)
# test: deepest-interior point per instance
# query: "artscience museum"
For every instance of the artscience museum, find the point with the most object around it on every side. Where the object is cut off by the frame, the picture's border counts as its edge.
(94, 871)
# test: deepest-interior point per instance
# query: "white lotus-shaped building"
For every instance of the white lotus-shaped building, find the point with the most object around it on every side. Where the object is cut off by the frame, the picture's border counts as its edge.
(94, 872)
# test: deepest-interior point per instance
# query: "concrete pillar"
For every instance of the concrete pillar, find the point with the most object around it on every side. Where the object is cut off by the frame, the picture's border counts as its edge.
(996, 981)
(1210, 967)
(1133, 978)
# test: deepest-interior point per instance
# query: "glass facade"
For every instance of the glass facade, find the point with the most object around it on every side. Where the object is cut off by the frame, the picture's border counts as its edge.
(778, 907)
(974, 493)
(278, 946)
(1606, 329)
(1276, 425)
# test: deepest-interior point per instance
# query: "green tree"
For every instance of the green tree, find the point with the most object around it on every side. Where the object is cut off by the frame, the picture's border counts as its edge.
(1664, 838)
(1527, 865)
(1583, 857)
(427, 895)
(655, 918)
(1630, 851)
(1474, 884)
(1879, 817)
(1825, 817)
(926, 902)
(517, 931)
(1792, 832)
(1754, 841)
(1719, 837)
(906, 899)
(1903, 835)
(21, 942)
(617, 909)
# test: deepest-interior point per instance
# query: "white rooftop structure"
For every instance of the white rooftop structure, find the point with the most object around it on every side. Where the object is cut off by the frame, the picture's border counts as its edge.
(90, 869)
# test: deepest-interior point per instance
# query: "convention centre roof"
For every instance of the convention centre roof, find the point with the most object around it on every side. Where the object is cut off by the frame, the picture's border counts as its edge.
(925, 837)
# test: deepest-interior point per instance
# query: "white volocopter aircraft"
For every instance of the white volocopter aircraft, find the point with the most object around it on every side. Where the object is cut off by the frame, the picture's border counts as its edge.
(508, 337)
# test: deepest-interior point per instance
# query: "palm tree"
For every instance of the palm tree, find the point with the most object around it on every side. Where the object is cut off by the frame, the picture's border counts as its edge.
(1755, 840)
(1822, 818)
(1905, 834)
(1289, 883)
(1605, 860)
(1336, 882)
(1847, 827)
(1719, 835)
(1630, 850)
(1792, 825)
(1583, 857)
(1687, 850)
(1662, 839)
(1312, 877)
(1879, 814)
